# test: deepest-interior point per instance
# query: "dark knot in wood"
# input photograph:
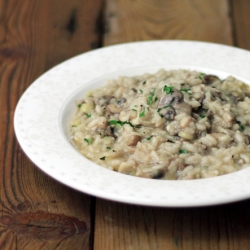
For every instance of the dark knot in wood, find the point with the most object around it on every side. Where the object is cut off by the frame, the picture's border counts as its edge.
(12, 53)
(43, 225)
(72, 24)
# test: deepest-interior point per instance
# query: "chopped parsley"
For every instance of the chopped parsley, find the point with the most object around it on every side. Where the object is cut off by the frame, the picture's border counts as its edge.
(103, 158)
(108, 147)
(183, 151)
(151, 98)
(159, 109)
(140, 90)
(73, 126)
(88, 115)
(149, 138)
(79, 105)
(117, 123)
(168, 90)
(142, 113)
(202, 116)
(88, 141)
(185, 90)
(201, 75)
(242, 127)
(144, 82)
(134, 109)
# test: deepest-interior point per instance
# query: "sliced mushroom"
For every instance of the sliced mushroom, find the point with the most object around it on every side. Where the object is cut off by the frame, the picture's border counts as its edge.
(201, 99)
(104, 100)
(168, 113)
(133, 140)
(168, 99)
(114, 109)
(247, 139)
(121, 102)
(209, 79)
(236, 97)
(216, 94)
(110, 131)
(158, 174)
(210, 116)
(134, 90)
(183, 107)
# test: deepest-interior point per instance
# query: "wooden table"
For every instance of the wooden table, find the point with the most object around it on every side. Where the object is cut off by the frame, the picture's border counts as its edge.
(36, 212)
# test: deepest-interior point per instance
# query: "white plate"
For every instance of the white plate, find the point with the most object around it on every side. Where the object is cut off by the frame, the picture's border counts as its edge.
(43, 111)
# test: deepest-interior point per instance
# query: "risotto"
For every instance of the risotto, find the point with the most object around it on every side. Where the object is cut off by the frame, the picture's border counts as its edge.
(173, 125)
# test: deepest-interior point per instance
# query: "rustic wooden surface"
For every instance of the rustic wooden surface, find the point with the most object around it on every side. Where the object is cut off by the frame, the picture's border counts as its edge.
(37, 212)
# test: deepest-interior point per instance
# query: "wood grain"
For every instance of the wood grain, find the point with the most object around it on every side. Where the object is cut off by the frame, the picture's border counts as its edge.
(134, 20)
(240, 11)
(37, 212)
(120, 226)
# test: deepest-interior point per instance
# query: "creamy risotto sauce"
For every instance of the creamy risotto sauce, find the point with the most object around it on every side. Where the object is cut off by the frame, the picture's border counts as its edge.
(175, 124)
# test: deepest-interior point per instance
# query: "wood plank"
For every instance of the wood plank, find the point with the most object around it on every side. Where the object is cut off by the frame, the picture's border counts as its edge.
(37, 212)
(240, 11)
(134, 20)
(121, 226)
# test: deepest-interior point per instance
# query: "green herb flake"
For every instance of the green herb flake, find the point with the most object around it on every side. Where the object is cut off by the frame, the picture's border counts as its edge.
(140, 90)
(103, 158)
(168, 90)
(149, 138)
(88, 141)
(151, 98)
(73, 126)
(119, 123)
(114, 122)
(87, 115)
(144, 82)
(202, 116)
(79, 105)
(201, 75)
(185, 90)
(142, 113)
(183, 151)
(159, 109)
(134, 109)
(108, 148)
(242, 127)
